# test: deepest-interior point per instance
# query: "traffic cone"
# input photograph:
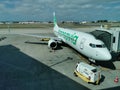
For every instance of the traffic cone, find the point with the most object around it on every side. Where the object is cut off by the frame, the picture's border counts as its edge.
(116, 80)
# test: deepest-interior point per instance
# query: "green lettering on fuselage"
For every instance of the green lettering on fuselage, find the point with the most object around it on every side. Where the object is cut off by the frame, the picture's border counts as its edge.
(68, 37)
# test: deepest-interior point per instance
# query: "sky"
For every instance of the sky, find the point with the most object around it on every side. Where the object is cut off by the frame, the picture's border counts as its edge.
(66, 10)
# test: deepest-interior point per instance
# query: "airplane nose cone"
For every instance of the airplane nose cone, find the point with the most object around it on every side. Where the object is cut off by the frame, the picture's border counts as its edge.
(104, 56)
(107, 56)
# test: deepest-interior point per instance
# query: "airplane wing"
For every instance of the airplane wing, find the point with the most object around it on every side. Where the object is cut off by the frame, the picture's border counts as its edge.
(44, 37)
(51, 41)
(39, 36)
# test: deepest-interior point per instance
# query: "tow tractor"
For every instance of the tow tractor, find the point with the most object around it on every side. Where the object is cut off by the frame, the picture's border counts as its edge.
(88, 73)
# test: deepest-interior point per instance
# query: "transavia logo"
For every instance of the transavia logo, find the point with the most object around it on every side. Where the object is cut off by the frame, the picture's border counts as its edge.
(68, 37)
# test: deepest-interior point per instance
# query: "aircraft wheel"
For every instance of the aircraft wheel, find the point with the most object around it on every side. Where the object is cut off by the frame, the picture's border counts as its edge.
(75, 74)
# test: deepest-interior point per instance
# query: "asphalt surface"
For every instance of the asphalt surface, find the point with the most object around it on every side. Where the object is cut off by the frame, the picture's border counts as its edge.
(19, 71)
(32, 66)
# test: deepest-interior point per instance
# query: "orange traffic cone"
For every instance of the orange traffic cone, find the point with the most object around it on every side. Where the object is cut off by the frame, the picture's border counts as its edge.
(116, 80)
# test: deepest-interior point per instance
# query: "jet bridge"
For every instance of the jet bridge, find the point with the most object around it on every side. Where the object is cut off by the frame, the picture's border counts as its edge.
(111, 38)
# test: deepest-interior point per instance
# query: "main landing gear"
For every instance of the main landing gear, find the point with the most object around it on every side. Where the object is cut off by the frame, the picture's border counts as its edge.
(91, 61)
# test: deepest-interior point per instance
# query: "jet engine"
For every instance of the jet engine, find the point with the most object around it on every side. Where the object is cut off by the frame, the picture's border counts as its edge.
(52, 44)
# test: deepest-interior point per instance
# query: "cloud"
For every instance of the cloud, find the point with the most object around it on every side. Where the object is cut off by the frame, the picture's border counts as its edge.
(117, 7)
(42, 9)
(86, 6)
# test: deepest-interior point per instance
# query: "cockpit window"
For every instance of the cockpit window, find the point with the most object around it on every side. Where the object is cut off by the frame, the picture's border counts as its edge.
(97, 45)
(92, 45)
(101, 46)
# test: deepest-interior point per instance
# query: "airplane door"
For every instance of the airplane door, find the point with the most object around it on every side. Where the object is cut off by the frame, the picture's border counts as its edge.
(82, 43)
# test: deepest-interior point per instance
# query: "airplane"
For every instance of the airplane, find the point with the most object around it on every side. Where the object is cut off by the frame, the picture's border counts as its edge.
(83, 42)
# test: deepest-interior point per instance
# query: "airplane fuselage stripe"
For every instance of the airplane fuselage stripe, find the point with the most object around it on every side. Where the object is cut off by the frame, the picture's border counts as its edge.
(72, 38)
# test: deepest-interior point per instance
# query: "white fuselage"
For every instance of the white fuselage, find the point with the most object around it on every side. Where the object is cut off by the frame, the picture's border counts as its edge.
(84, 43)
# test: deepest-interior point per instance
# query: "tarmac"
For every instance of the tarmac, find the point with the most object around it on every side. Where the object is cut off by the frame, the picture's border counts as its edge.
(33, 66)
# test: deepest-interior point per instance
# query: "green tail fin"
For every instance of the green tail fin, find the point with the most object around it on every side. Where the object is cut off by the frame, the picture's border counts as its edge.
(54, 21)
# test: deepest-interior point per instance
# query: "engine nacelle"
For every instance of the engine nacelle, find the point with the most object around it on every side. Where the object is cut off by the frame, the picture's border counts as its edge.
(52, 44)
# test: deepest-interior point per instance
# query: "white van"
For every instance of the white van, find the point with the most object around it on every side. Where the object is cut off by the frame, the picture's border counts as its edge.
(88, 73)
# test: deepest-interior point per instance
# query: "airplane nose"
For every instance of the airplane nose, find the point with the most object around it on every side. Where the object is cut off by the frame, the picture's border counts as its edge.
(108, 56)
(105, 56)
